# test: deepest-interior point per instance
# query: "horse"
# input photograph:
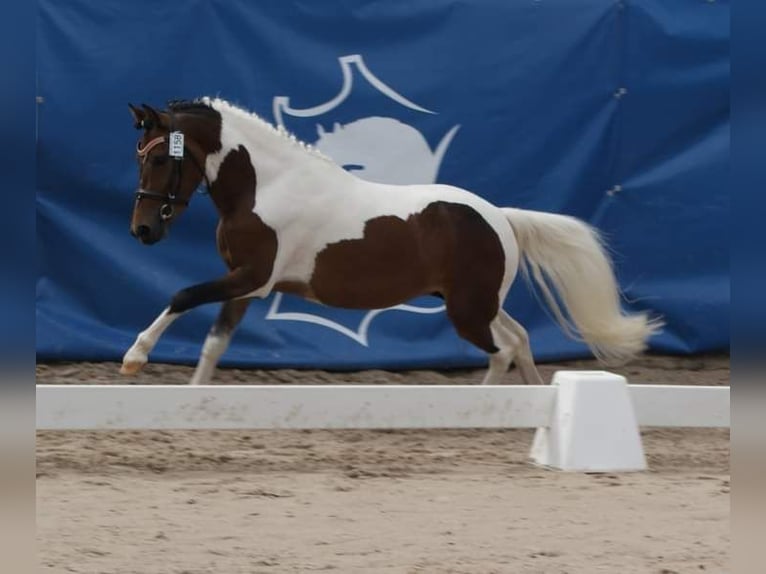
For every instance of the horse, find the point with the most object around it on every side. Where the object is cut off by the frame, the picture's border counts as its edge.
(293, 221)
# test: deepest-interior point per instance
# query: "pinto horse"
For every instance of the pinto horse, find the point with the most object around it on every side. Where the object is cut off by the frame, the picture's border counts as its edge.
(293, 221)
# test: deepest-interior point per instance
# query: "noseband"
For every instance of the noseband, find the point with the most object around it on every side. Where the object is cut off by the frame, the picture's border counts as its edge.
(170, 196)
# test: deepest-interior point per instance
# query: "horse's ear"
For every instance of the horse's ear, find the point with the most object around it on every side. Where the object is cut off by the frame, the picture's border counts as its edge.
(152, 118)
(138, 116)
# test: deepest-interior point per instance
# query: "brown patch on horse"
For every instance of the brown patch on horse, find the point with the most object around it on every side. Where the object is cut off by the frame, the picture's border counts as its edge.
(243, 239)
(447, 248)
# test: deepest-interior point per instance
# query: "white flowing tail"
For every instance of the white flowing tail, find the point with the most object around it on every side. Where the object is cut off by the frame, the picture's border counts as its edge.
(567, 254)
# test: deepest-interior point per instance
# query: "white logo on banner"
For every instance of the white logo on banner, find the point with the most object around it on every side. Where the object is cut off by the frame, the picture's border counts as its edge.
(375, 148)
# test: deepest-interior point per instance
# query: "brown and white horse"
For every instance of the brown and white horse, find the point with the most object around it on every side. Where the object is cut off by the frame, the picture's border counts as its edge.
(293, 221)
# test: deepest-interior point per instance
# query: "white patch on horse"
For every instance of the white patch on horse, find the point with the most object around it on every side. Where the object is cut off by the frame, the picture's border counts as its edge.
(311, 202)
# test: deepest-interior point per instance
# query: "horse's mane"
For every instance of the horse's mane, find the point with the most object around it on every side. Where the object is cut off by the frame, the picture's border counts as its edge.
(190, 106)
(207, 105)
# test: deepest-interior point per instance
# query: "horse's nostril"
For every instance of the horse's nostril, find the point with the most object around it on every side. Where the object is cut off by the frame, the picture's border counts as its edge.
(143, 231)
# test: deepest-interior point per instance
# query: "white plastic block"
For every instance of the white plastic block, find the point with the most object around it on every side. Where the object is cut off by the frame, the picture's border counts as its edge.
(593, 427)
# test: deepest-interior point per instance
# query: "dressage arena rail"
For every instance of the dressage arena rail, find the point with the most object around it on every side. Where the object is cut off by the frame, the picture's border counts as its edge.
(579, 414)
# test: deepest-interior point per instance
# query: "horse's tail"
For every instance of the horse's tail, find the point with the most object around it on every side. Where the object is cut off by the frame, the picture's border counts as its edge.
(568, 255)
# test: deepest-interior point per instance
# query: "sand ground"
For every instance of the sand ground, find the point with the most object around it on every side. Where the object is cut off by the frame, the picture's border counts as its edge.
(446, 501)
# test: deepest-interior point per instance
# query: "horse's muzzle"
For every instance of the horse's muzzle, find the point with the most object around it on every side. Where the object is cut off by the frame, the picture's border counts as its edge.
(146, 234)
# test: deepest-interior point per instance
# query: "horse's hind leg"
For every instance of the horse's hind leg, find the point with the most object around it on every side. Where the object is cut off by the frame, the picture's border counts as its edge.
(500, 360)
(218, 339)
(523, 353)
(474, 318)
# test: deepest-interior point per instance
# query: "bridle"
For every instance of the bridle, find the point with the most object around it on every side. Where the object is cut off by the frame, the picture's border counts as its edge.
(170, 197)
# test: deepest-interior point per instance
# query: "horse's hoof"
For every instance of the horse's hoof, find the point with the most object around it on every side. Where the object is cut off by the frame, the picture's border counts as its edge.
(131, 367)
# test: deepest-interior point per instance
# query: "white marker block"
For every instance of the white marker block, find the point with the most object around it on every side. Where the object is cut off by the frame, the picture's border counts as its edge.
(593, 427)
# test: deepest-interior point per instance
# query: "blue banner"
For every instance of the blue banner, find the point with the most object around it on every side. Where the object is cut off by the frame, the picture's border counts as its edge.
(615, 112)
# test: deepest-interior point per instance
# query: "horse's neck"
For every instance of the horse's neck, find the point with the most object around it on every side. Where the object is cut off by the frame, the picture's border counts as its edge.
(272, 153)
(285, 170)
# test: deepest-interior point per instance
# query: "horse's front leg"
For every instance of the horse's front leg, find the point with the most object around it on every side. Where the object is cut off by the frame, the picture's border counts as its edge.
(138, 354)
(218, 339)
(237, 283)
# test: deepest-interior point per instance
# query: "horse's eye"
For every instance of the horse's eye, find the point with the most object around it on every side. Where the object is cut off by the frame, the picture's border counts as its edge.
(159, 159)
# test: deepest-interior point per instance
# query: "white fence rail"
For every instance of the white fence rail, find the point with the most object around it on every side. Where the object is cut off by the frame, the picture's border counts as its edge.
(62, 407)
(681, 406)
(586, 420)
(67, 407)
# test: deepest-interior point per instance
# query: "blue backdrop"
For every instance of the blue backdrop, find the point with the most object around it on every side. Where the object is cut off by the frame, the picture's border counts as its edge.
(613, 111)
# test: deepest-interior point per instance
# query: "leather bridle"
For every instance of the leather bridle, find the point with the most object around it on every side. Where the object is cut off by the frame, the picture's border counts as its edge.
(169, 197)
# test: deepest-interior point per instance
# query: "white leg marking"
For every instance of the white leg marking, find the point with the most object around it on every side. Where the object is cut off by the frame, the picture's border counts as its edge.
(501, 360)
(215, 346)
(138, 354)
(524, 359)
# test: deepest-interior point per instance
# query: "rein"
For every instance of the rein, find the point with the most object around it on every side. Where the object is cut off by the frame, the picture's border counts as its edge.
(170, 196)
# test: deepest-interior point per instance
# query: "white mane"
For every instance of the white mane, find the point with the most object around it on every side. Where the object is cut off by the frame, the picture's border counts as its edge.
(221, 105)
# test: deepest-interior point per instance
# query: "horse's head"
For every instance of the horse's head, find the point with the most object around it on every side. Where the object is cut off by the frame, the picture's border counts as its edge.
(171, 167)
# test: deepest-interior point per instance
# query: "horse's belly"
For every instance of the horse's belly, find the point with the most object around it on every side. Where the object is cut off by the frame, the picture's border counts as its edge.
(391, 263)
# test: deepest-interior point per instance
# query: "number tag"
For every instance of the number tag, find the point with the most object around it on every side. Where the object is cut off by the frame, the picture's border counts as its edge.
(176, 145)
